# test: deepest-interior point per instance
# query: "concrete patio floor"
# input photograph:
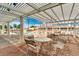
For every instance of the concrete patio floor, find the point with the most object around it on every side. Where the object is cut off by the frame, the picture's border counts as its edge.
(8, 49)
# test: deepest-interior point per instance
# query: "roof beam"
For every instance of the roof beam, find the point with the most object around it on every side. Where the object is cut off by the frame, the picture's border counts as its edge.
(11, 9)
(42, 18)
(5, 20)
(8, 13)
(37, 10)
(55, 14)
(43, 8)
(76, 16)
(50, 16)
(44, 12)
(62, 12)
(67, 20)
(48, 6)
(45, 16)
(71, 10)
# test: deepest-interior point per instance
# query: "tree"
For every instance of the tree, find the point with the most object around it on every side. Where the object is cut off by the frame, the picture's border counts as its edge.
(5, 26)
(11, 27)
(18, 26)
(15, 26)
(0, 26)
(32, 26)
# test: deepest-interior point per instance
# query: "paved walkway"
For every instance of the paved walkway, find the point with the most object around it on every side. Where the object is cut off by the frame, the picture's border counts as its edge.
(11, 51)
(8, 49)
(3, 42)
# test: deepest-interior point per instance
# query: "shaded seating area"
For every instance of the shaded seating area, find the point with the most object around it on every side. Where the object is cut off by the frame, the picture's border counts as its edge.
(57, 34)
(58, 46)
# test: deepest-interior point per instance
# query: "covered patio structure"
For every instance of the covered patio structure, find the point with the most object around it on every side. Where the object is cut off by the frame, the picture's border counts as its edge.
(58, 19)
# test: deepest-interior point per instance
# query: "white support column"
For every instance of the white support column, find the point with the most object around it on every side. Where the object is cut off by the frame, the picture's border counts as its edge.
(52, 28)
(3, 29)
(22, 29)
(46, 29)
(8, 29)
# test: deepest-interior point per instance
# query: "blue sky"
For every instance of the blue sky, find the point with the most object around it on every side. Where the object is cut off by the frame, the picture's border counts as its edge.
(32, 21)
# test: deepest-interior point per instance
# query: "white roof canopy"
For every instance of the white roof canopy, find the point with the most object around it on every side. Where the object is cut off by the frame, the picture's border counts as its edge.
(46, 12)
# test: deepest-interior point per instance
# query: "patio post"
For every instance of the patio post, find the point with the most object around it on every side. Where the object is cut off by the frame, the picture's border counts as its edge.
(8, 28)
(46, 28)
(22, 29)
(3, 29)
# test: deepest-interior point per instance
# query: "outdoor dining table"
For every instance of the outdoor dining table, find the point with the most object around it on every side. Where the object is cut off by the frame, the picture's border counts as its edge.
(42, 41)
